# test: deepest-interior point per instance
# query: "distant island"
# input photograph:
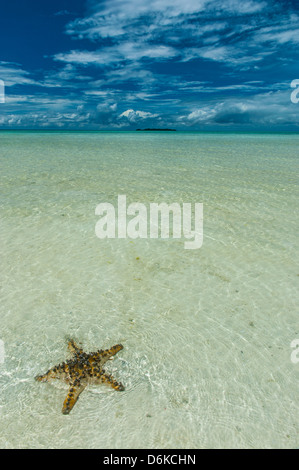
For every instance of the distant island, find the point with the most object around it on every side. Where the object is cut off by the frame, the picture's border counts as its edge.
(150, 129)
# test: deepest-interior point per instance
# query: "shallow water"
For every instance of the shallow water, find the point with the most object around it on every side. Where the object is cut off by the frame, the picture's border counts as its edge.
(206, 333)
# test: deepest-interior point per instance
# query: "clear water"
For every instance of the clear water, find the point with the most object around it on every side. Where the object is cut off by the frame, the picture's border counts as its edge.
(206, 333)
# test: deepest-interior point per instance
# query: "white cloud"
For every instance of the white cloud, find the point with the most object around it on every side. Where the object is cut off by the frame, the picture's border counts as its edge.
(134, 116)
(12, 74)
(134, 51)
(265, 109)
(102, 57)
(163, 29)
(114, 18)
(115, 54)
(277, 35)
(126, 66)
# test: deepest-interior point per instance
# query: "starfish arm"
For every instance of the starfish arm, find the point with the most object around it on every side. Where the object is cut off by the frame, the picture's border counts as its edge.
(73, 347)
(109, 380)
(72, 397)
(57, 372)
(107, 353)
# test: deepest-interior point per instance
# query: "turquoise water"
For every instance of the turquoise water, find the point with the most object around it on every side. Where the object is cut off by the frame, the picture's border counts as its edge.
(206, 333)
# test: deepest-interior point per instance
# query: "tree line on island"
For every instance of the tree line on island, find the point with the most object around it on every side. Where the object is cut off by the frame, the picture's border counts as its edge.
(154, 129)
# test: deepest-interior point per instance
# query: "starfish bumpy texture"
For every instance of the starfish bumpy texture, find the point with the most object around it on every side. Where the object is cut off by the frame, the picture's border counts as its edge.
(82, 369)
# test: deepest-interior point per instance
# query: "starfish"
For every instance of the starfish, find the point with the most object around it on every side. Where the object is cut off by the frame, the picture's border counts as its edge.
(80, 370)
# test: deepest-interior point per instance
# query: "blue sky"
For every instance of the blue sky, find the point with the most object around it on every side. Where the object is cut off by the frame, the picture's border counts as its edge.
(126, 64)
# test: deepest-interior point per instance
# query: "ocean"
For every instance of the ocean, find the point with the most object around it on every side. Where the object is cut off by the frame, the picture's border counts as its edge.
(207, 332)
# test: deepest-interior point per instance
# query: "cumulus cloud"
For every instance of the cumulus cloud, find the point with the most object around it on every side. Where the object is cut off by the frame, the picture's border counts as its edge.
(133, 116)
(264, 110)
